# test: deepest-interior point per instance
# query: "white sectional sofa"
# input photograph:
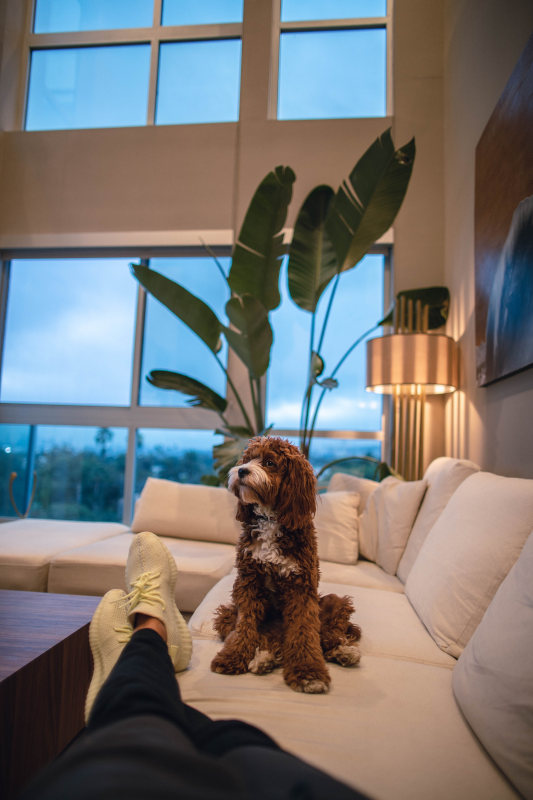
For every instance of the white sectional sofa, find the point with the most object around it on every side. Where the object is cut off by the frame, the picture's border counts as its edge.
(441, 575)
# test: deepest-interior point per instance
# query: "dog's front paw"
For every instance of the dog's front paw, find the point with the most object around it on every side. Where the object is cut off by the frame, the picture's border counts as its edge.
(262, 663)
(228, 664)
(310, 681)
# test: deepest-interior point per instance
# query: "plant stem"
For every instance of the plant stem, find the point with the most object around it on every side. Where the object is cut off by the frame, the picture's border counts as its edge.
(328, 310)
(338, 366)
(306, 403)
(235, 392)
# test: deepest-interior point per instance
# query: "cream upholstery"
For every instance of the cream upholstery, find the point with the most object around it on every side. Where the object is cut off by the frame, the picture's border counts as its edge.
(442, 476)
(390, 727)
(495, 669)
(467, 554)
(28, 545)
(99, 566)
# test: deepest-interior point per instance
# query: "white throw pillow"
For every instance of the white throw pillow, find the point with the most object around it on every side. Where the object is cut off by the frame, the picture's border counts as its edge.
(186, 511)
(493, 679)
(386, 523)
(467, 554)
(337, 527)
(443, 476)
(342, 482)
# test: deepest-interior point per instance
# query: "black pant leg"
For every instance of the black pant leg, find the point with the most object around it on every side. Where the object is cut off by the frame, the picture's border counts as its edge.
(143, 683)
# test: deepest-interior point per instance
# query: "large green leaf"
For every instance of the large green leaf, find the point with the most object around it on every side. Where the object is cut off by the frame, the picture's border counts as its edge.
(312, 256)
(436, 297)
(365, 207)
(252, 338)
(259, 249)
(201, 395)
(196, 314)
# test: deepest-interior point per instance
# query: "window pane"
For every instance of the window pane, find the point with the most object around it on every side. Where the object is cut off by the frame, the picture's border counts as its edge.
(296, 10)
(332, 74)
(208, 12)
(177, 455)
(58, 16)
(358, 305)
(323, 451)
(80, 473)
(198, 82)
(69, 332)
(14, 451)
(88, 87)
(170, 344)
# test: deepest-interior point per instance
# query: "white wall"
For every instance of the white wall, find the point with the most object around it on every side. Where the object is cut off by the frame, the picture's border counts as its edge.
(483, 41)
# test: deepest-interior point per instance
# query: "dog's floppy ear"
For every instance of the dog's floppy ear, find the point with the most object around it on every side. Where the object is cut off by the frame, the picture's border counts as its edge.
(297, 494)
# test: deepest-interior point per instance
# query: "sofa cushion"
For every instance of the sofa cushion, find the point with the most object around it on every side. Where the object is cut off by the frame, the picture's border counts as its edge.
(389, 727)
(386, 523)
(337, 527)
(443, 476)
(28, 545)
(186, 511)
(493, 680)
(467, 554)
(98, 567)
(364, 573)
(342, 482)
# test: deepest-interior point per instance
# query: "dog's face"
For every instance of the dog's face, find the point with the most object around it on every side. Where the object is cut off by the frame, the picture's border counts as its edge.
(274, 474)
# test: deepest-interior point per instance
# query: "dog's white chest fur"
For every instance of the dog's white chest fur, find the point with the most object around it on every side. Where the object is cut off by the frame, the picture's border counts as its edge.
(265, 547)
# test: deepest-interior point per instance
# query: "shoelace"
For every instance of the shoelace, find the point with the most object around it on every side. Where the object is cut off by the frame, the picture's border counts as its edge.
(124, 631)
(145, 590)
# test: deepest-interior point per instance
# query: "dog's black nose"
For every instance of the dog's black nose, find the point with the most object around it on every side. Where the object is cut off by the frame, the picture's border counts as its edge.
(243, 471)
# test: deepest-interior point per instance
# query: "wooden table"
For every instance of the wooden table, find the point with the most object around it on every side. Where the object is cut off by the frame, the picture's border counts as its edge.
(45, 669)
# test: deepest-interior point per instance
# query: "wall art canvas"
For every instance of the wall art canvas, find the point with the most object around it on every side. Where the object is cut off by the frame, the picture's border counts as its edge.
(504, 231)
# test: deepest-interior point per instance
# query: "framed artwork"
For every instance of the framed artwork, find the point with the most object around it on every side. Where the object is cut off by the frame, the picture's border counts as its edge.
(504, 231)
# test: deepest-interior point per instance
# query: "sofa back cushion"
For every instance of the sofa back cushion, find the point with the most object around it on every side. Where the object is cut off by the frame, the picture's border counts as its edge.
(466, 555)
(443, 476)
(342, 482)
(493, 679)
(186, 511)
(337, 527)
(386, 523)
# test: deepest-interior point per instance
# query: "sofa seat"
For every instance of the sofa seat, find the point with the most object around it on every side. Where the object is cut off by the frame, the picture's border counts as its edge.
(29, 545)
(99, 566)
(390, 626)
(390, 727)
(364, 573)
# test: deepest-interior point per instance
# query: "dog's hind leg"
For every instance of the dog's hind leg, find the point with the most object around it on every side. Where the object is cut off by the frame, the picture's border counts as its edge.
(224, 620)
(339, 636)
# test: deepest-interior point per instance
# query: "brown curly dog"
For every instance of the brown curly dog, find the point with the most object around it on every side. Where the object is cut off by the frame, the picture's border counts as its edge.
(276, 617)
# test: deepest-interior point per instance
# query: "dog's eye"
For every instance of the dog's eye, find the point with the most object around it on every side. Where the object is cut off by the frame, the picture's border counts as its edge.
(268, 463)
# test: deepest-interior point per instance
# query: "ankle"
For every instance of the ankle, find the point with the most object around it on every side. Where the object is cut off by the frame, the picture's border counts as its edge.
(154, 624)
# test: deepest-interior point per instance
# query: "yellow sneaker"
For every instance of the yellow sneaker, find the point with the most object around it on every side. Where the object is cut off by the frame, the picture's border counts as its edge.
(109, 631)
(151, 574)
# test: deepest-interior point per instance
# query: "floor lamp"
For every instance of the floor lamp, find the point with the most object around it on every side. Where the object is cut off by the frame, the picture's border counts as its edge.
(410, 364)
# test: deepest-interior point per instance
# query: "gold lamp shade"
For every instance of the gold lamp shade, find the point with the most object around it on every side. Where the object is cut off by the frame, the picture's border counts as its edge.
(411, 362)
(410, 366)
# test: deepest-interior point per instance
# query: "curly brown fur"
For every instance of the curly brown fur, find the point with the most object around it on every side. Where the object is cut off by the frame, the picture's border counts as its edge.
(276, 616)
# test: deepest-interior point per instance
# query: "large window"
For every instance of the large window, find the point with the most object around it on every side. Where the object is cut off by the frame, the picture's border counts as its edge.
(93, 63)
(101, 64)
(79, 338)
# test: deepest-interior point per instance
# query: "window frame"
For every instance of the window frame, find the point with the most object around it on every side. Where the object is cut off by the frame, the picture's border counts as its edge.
(135, 416)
